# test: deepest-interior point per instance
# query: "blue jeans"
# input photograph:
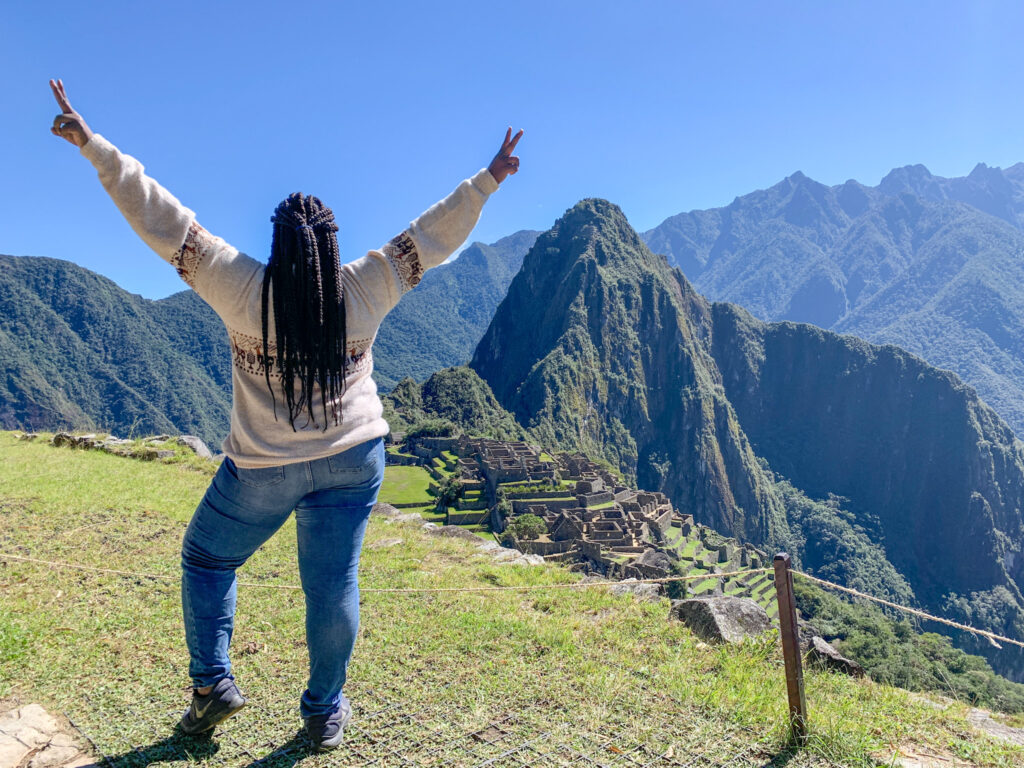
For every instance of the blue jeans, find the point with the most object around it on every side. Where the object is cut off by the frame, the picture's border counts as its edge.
(332, 498)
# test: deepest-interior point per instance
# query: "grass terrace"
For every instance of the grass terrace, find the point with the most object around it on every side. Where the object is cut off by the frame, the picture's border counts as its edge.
(542, 678)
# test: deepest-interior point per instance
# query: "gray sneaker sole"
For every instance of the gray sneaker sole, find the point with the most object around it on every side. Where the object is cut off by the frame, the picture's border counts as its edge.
(208, 723)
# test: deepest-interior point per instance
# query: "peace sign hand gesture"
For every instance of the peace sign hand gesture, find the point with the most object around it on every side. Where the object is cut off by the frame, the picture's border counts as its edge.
(505, 163)
(68, 124)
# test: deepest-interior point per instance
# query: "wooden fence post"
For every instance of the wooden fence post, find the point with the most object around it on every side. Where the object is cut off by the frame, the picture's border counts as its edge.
(790, 634)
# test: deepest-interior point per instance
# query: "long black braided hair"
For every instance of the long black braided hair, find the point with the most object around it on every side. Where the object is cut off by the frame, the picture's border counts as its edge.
(309, 309)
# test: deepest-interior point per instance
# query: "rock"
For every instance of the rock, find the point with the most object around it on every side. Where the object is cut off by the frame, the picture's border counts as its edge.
(158, 439)
(431, 527)
(823, 655)
(505, 554)
(12, 751)
(655, 559)
(198, 446)
(53, 756)
(533, 559)
(455, 532)
(28, 436)
(639, 590)
(61, 438)
(384, 543)
(983, 721)
(721, 619)
(384, 510)
(165, 454)
(590, 578)
(30, 725)
(487, 546)
(408, 516)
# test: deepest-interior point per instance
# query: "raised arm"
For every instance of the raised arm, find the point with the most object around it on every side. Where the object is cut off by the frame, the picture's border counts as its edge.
(217, 272)
(381, 277)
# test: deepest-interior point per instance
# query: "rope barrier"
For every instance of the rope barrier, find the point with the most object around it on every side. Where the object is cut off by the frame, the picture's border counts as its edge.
(992, 637)
(520, 588)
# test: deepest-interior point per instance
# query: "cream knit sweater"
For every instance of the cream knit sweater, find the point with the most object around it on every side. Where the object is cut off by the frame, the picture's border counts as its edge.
(231, 283)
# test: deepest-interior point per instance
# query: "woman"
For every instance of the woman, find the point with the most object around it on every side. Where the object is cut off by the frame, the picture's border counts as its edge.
(306, 426)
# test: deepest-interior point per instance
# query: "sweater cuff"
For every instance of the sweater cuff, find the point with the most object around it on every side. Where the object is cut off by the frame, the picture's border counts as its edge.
(97, 149)
(483, 181)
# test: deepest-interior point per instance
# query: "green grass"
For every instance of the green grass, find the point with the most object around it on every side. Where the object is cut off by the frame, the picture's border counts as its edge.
(109, 651)
(405, 485)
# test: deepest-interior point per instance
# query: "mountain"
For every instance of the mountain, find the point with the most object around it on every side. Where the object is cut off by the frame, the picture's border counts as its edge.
(780, 433)
(78, 351)
(439, 323)
(456, 396)
(934, 265)
(597, 347)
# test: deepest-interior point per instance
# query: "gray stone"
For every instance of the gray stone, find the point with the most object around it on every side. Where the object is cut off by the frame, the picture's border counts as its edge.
(408, 516)
(12, 751)
(198, 446)
(28, 436)
(983, 721)
(165, 454)
(639, 590)
(384, 543)
(430, 527)
(655, 559)
(455, 532)
(53, 756)
(823, 655)
(385, 510)
(62, 438)
(721, 619)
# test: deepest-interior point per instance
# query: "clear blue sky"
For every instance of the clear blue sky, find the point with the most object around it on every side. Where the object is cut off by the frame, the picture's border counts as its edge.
(660, 107)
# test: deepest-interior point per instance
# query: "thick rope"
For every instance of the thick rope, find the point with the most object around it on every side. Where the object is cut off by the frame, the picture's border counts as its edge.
(991, 636)
(521, 588)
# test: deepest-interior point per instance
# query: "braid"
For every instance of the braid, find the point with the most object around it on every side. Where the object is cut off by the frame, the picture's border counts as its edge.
(309, 310)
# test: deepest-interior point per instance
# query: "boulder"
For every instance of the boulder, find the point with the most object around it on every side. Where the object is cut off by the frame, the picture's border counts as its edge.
(823, 655)
(455, 532)
(721, 619)
(640, 590)
(198, 446)
(384, 510)
(654, 558)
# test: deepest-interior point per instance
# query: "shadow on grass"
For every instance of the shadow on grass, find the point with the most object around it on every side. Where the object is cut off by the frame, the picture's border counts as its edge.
(286, 755)
(179, 747)
(175, 747)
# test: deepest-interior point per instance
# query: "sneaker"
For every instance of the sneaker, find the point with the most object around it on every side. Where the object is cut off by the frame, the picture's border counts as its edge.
(215, 707)
(325, 731)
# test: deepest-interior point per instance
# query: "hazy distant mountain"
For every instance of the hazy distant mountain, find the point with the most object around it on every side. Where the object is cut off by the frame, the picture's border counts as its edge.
(438, 324)
(625, 359)
(934, 265)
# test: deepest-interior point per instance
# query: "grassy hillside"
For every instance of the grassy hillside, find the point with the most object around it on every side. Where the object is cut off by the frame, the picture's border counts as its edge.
(546, 678)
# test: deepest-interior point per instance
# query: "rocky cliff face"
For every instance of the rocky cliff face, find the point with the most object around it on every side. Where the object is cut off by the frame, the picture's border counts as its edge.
(910, 447)
(598, 346)
(931, 264)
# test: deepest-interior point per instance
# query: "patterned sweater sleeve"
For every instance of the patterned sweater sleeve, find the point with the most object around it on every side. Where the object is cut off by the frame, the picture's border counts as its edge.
(379, 279)
(221, 275)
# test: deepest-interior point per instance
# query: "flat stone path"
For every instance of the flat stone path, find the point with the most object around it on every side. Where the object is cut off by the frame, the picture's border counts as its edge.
(30, 737)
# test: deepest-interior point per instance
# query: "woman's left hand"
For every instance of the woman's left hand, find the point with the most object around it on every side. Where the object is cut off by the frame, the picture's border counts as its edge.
(69, 125)
(505, 163)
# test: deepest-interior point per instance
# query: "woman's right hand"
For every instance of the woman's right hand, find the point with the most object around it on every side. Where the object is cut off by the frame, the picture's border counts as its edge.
(68, 124)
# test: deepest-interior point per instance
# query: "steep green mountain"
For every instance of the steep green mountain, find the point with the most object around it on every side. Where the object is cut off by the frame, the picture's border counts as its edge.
(934, 265)
(454, 395)
(597, 347)
(440, 322)
(896, 476)
(78, 351)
